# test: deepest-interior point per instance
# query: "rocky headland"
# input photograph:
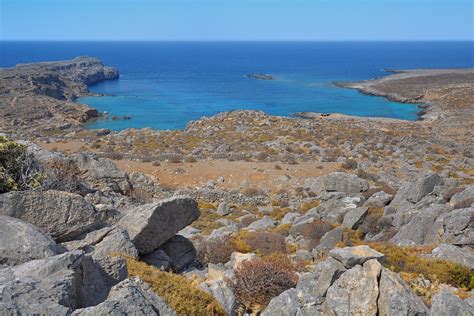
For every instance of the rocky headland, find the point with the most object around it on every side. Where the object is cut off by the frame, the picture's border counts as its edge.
(239, 213)
(39, 98)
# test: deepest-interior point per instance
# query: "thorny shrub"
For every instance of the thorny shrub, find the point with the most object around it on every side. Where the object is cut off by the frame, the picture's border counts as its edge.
(259, 280)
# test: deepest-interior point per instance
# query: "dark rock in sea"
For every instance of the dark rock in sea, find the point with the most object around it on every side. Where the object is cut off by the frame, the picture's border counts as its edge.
(261, 76)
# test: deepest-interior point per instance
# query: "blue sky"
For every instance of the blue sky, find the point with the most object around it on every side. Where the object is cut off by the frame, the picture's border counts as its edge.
(236, 20)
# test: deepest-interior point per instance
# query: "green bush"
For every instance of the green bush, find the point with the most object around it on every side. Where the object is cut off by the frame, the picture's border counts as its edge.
(18, 170)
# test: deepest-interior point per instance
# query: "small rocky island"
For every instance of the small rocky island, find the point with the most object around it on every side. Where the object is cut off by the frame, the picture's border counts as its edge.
(330, 214)
(260, 76)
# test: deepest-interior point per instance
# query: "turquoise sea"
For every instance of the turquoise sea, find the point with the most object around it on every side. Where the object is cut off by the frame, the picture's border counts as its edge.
(164, 85)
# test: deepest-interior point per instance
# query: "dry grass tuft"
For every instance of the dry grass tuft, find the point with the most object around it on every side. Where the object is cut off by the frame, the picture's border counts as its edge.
(181, 294)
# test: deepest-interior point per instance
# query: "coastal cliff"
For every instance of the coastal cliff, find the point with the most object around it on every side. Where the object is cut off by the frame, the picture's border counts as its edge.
(39, 96)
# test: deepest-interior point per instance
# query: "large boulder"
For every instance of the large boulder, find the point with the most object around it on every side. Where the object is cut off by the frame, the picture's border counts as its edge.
(98, 277)
(351, 256)
(419, 229)
(337, 182)
(328, 242)
(423, 187)
(62, 215)
(446, 303)
(44, 286)
(104, 242)
(334, 207)
(456, 227)
(151, 225)
(285, 304)
(463, 256)
(263, 224)
(412, 193)
(21, 242)
(129, 297)
(356, 291)
(102, 173)
(397, 298)
(464, 198)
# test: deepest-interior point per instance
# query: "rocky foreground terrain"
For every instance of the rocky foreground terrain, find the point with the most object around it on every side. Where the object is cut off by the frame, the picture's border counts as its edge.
(238, 213)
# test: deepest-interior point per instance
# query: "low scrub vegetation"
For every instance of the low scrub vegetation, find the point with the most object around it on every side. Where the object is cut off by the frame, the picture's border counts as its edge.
(181, 295)
(259, 280)
(18, 169)
(409, 260)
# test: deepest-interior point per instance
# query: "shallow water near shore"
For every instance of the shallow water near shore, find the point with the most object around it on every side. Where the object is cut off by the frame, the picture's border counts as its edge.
(164, 85)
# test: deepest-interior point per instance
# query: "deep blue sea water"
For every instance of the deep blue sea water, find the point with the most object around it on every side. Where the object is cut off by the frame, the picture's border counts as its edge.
(164, 85)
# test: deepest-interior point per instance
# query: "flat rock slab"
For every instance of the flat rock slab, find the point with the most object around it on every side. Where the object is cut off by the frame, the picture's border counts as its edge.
(351, 256)
(21, 242)
(151, 225)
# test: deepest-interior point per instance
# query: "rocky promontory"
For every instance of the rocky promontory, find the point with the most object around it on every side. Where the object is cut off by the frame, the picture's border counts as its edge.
(39, 97)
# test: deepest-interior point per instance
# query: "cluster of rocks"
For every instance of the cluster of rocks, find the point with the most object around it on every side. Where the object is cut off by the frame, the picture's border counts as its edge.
(351, 281)
(63, 252)
(59, 257)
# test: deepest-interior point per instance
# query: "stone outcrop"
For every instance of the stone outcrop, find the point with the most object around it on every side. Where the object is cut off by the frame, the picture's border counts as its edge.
(356, 291)
(362, 288)
(129, 297)
(446, 303)
(44, 286)
(338, 182)
(151, 225)
(397, 298)
(180, 251)
(62, 215)
(102, 173)
(351, 256)
(21, 242)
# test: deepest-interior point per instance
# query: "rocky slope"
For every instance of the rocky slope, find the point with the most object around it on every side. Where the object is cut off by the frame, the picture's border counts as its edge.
(39, 97)
(331, 215)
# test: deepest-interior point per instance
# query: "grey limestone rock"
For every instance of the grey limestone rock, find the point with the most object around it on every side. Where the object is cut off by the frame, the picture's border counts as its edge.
(43, 286)
(463, 256)
(355, 217)
(151, 225)
(356, 291)
(129, 297)
(223, 294)
(397, 298)
(285, 304)
(312, 286)
(180, 251)
(262, 224)
(446, 303)
(464, 198)
(21, 242)
(423, 187)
